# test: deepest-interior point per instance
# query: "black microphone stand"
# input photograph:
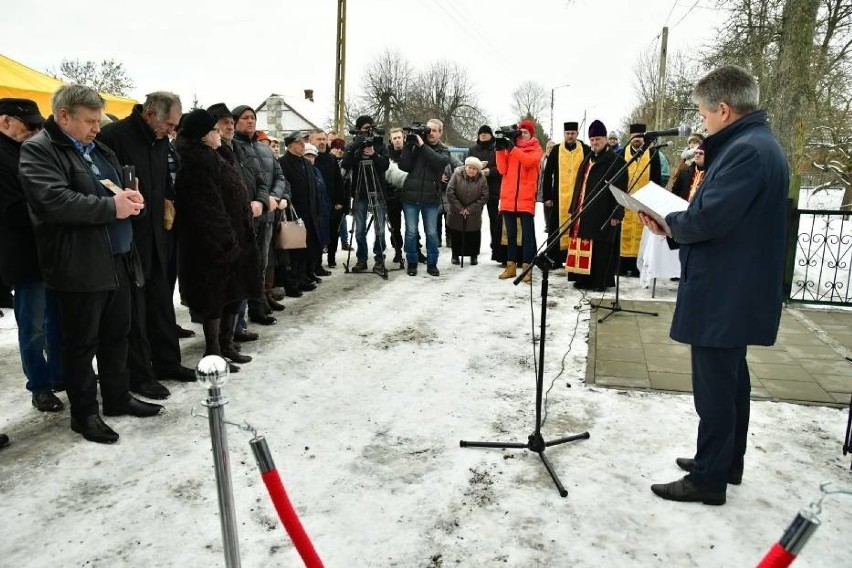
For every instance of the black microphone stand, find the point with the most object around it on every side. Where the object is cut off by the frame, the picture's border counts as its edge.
(615, 306)
(535, 441)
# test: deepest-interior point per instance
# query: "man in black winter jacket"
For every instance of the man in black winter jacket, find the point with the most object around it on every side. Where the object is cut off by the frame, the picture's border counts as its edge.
(36, 311)
(484, 150)
(366, 161)
(425, 161)
(141, 140)
(85, 243)
(274, 193)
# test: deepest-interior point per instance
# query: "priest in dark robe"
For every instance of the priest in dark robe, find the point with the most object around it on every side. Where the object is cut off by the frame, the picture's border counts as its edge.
(559, 178)
(593, 244)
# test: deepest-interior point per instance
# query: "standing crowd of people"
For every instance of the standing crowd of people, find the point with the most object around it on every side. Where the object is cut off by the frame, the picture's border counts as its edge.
(100, 219)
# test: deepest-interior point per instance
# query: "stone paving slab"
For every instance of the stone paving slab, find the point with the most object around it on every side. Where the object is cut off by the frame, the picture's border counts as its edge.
(806, 365)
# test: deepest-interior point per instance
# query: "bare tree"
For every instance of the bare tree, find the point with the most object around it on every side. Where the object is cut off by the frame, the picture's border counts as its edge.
(444, 91)
(529, 99)
(107, 77)
(386, 84)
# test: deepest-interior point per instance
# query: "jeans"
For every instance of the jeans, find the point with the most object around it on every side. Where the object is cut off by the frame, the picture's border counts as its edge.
(241, 317)
(429, 213)
(39, 336)
(379, 245)
(528, 236)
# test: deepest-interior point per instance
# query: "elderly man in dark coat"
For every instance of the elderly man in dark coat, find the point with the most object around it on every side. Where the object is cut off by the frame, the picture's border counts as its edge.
(141, 140)
(299, 173)
(732, 262)
(593, 247)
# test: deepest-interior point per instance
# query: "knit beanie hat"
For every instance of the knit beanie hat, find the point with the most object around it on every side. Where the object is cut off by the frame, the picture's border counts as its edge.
(238, 111)
(473, 161)
(529, 125)
(485, 129)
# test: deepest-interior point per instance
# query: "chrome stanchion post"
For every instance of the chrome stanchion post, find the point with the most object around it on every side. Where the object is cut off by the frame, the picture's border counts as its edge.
(212, 372)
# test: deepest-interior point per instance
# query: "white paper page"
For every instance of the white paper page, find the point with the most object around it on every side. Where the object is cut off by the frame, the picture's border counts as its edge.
(661, 200)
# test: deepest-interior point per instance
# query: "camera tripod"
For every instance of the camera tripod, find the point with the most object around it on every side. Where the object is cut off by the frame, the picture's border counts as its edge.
(368, 180)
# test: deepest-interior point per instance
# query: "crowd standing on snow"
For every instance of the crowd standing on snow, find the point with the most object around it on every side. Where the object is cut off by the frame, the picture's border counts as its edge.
(101, 218)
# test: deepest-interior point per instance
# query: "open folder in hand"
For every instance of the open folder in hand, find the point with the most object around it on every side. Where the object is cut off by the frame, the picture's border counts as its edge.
(652, 200)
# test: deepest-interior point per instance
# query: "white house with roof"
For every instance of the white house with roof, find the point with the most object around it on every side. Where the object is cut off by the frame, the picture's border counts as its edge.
(278, 117)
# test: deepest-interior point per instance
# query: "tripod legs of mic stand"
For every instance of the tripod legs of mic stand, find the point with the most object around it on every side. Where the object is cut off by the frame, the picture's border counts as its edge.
(536, 442)
(615, 306)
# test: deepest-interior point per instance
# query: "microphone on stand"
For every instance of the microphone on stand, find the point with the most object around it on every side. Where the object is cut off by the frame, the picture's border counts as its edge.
(682, 131)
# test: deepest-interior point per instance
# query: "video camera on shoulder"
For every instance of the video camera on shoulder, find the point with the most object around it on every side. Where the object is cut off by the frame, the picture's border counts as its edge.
(414, 130)
(504, 136)
(371, 137)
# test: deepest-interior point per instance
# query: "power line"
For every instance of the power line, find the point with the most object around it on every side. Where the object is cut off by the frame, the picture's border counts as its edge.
(670, 13)
(687, 13)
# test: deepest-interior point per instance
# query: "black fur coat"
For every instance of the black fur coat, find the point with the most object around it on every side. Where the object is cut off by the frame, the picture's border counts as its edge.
(218, 261)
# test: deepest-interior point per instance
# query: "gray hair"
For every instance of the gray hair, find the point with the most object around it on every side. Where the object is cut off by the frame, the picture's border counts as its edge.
(436, 122)
(317, 131)
(162, 103)
(70, 97)
(730, 84)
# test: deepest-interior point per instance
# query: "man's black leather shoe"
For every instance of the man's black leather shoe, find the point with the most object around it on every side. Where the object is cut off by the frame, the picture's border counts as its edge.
(262, 319)
(322, 272)
(433, 270)
(454, 260)
(184, 333)
(181, 373)
(47, 402)
(94, 429)
(276, 306)
(245, 336)
(684, 490)
(133, 407)
(688, 464)
(294, 293)
(411, 270)
(151, 389)
(235, 356)
(307, 286)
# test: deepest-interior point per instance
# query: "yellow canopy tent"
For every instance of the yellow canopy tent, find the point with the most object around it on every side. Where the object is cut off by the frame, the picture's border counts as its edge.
(19, 81)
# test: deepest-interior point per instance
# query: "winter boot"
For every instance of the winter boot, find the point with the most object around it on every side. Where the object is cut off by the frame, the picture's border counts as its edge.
(528, 277)
(360, 266)
(397, 258)
(226, 349)
(510, 272)
(379, 267)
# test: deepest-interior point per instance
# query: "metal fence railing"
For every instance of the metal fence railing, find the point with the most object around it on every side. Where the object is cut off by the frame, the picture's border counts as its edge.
(822, 271)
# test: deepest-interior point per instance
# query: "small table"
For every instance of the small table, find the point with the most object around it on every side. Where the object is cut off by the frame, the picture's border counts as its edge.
(656, 259)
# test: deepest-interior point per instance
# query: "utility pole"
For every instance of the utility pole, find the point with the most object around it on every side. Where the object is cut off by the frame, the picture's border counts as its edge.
(661, 87)
(551, 107)
(340, 70)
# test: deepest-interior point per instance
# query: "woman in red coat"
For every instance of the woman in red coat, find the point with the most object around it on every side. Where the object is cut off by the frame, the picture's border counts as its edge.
(519, 166)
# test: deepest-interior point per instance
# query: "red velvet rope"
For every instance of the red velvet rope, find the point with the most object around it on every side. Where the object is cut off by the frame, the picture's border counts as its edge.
(291, 521)
(777, 557)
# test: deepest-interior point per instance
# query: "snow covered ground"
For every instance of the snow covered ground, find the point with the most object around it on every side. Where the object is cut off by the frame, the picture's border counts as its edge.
(363, 390)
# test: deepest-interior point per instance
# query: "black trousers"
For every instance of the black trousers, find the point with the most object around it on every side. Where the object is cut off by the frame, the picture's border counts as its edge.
(721, 387)
(334, 229)
(154, 347)
(551, 218)
(96, 323)
(394, 213)
(495, 223)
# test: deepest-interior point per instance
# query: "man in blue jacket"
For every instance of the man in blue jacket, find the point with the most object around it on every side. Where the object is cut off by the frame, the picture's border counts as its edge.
(731, 242)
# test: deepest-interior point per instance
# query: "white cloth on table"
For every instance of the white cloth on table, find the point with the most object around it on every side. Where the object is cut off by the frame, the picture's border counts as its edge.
(656, 259)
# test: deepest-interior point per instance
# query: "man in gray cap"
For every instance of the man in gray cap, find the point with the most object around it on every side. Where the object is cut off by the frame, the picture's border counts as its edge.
(36, 310)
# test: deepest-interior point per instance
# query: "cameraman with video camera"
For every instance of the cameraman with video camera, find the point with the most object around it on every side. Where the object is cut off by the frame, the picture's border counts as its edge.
(424, 157)
(518, 159)
(366, 162)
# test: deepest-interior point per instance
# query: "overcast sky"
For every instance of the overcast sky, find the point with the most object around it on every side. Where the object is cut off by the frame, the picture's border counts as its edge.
(241, 51)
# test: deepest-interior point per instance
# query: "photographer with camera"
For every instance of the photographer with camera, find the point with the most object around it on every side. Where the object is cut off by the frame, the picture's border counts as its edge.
(366, 162)
(518, 155)
(424, 157)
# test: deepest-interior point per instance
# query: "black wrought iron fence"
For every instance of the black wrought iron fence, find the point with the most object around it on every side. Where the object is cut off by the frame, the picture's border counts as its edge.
(822, 271)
